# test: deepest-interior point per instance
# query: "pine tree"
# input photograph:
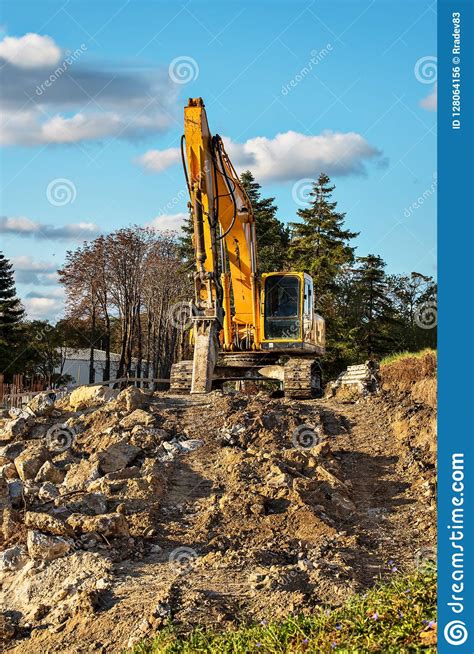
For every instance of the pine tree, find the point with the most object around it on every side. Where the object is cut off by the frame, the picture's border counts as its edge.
(272, 234)
(11, 315)
(376, 319)
(319, 244)
(185, 243)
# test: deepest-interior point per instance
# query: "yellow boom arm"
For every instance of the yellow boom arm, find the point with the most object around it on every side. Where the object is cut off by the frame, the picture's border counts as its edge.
(224, 233)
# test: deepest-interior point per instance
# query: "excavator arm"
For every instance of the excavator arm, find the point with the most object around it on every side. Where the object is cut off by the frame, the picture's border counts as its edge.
(225, 249)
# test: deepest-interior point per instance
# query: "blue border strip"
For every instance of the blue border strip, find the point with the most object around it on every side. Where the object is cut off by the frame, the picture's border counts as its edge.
(456, 330)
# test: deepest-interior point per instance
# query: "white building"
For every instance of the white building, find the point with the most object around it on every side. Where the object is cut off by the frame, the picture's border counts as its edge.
(76, 363)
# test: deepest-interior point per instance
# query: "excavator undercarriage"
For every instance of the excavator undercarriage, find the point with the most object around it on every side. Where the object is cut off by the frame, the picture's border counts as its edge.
(297, 377)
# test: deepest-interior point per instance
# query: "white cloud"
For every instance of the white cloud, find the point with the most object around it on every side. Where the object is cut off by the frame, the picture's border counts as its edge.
(287, 156)
(128, 104)
(292, 155)
(31, 271)
(22, 226)
(27, 263)
(157, 160)
(430, 103)
(43, 307)
(168, 222)
(30, 51)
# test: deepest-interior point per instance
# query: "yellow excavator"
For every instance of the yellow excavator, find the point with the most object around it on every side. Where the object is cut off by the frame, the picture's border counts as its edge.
(244, 326)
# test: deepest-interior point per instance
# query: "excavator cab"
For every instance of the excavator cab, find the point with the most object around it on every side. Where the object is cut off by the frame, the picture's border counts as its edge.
(287, 313)
(282, 307)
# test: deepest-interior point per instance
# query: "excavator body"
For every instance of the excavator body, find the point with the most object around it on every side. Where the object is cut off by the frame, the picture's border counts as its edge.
(245, 325)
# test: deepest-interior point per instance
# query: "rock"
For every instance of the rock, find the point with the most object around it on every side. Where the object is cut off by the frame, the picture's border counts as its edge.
(321, 449)
(4, 494)
(132, 398)
(48, 492)
(16, 428)
(38, 431)
(15, 493)
(9, 471)
(117, 456)
(12, 450)
(87, 396)
(43, 547)
(42, 404)
(137, 417)
(189, 445)
(126, 473)
(148, 438)
(81, 474)
(109, 524)
(90, 504)
(7, 627)
(282, 480)
(19, 413)
(47, 523)
(49, 472)
(13, 558)
(29, 462)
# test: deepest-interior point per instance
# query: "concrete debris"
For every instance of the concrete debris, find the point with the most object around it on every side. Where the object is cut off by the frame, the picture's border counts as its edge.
(30, 461)
(15, 428)
(112, 524)
(158, 508)
(42, 403)
(85, 397)
(356, 381)
(49, 472)
(116, 456)
(13, 558)
(80, 475)
(46, 548)
(47, 523)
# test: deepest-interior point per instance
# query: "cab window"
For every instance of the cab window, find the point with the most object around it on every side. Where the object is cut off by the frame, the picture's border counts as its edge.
(308, 298)
(282, 307)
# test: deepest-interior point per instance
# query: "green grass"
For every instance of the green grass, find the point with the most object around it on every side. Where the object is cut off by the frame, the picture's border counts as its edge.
(391, 618)
(398, 356)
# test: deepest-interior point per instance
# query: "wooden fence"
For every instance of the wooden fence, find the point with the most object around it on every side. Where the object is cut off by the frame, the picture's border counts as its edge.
(20, 391)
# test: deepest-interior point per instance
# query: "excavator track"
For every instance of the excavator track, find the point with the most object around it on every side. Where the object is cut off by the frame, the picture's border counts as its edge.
(302, 378)
(181, 377)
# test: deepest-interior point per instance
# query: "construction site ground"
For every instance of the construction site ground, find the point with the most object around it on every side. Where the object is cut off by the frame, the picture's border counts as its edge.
(231, 508)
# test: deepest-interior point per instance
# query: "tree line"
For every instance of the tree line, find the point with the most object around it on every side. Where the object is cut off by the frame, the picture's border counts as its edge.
(124, 292)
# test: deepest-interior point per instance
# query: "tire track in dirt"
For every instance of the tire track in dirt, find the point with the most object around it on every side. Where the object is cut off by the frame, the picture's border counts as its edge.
(388, 508)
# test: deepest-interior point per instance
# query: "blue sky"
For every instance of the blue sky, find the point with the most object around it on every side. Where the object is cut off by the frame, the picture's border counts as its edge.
(295, 87)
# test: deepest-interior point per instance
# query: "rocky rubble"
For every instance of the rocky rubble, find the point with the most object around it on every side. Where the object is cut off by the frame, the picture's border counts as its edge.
(135, 508)
(75, 479)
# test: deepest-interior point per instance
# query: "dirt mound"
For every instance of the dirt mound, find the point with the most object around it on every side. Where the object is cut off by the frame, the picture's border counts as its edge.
(136, 508)
(409, 393)
(403, 373)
